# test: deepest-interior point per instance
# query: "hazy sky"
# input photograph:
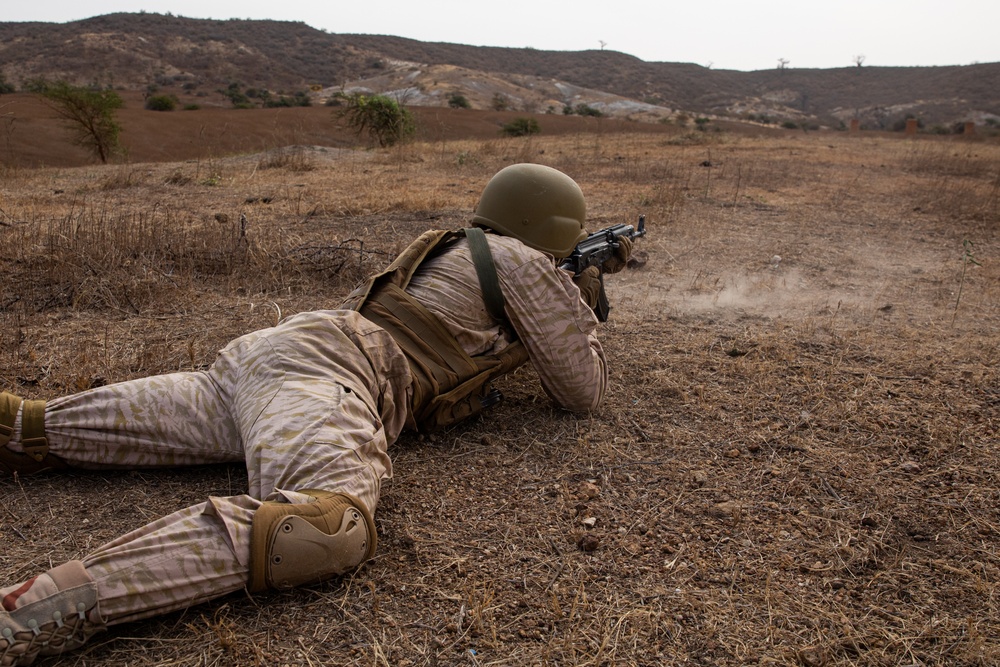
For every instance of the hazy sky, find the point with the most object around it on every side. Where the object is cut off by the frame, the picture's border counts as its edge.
(723, 34)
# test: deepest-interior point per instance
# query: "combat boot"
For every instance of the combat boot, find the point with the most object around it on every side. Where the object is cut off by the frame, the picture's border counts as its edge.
(51, 613)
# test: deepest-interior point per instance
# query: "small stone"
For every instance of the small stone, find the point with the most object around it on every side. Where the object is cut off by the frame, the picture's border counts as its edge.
(589, 490)
(589, 522)
(910, 467)
(733, 453)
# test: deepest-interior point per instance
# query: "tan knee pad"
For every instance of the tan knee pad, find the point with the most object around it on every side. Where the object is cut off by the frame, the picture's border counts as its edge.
(294, 544)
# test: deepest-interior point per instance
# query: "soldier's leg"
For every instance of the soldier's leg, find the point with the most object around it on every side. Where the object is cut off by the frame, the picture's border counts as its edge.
(319, 427)
(191, 556)
(164, 420)
(324, 478)
(188, 557)
(316, 453)
(309, 422)
(304, 431)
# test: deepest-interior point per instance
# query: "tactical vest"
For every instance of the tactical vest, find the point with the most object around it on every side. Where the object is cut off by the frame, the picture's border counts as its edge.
(448, 384)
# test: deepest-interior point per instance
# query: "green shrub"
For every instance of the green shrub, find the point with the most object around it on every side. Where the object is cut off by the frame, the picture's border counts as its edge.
(4, 86)
(587, 110)
(161, 103)
(299, 99)
(382, 118)
(790, 125)
(458, 101)
(521, 127)
(237, 97)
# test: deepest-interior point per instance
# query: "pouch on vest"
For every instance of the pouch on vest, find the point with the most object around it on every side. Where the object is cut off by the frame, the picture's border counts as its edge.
(449, 385)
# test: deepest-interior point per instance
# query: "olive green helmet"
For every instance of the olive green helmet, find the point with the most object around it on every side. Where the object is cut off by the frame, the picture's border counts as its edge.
(538, 205)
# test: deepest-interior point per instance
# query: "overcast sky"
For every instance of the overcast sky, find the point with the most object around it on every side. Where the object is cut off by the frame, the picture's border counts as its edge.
(723, 34)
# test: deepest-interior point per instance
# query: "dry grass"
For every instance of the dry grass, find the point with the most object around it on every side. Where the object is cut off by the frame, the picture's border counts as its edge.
(796, 464)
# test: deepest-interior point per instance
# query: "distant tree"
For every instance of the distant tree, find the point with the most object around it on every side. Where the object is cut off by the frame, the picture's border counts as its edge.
(602, 43)
(782, 63)
(521, 127)
(458, 101)
(161, 103)
(858, 60)
(587, 110)
(89, 112)
(237, 97)
(382, 118)
(500, 102)
(299, 99)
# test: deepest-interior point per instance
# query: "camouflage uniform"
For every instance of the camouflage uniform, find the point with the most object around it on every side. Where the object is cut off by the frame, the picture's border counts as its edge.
(309, 404)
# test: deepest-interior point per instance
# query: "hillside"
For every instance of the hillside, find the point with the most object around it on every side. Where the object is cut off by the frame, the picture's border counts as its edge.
(137, 51)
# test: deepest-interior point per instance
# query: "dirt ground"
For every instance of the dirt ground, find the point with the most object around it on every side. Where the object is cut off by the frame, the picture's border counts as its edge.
(796, 463)
(32, 134)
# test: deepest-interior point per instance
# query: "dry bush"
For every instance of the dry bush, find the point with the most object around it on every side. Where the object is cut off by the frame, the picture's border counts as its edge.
(796, 463)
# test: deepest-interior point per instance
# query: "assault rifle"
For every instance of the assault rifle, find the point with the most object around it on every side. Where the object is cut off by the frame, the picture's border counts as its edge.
(598, 248)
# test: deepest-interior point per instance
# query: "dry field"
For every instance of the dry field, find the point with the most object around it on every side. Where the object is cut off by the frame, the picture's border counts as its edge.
(797, 463)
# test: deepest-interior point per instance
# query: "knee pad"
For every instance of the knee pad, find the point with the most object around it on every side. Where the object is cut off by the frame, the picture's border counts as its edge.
(295, 544)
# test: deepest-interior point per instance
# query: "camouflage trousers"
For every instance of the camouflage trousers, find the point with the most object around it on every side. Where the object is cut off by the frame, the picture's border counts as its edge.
(310, 403)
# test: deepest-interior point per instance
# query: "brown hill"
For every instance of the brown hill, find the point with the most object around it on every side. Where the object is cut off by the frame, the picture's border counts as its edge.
(140, 51)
